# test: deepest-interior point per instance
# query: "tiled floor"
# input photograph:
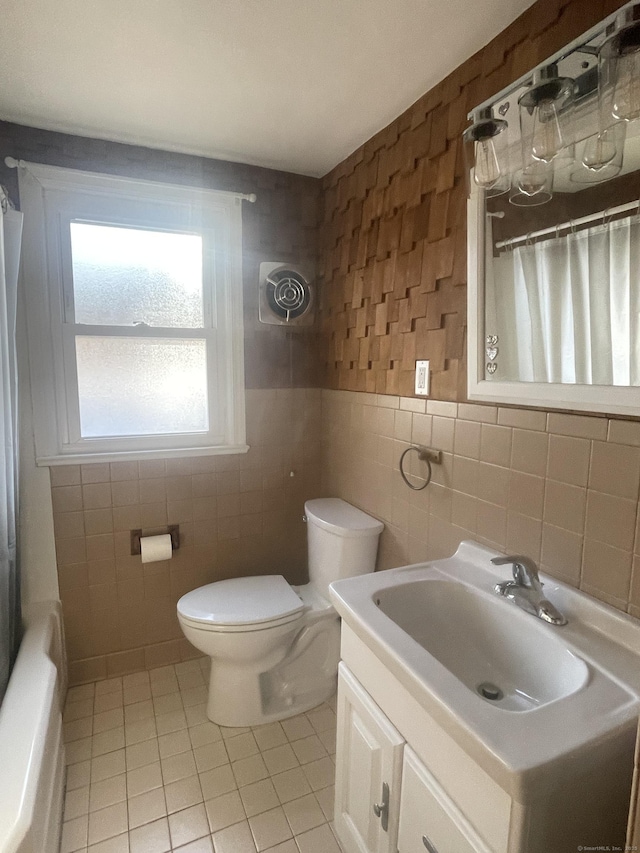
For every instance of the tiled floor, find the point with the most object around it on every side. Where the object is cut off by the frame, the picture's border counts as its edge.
(148, 773)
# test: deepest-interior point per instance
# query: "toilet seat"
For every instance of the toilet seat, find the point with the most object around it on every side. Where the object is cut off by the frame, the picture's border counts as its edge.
(241, 604)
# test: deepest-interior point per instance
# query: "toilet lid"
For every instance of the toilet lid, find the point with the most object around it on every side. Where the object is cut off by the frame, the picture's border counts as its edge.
(241, 601)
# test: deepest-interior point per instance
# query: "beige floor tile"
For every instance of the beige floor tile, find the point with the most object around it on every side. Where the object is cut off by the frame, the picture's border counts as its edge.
(160, 673)
(183, 794)
(79, 750)
(322, 720)
(142, 753)
(108, 702)
(279, 759)
(196, 715)
(228, 732)
(194, 696)
(241, 746)
(298, 727)
(107, 822)
(326, 799)
(291, 785)
(289, 846)
(303, 814)
(270, 828)
(269, 736)
(83, 691)
(202, 845)
(248, 770)
(224, 811)
(144, 779)
(174, 743)
(210, 755)
(78, 729)
(167, 704)
(320, 773)
(259, 797)
(204, 733)
(318, 840)
(146, 808)
(164, 687)
(191, 679)
(234, 839)
(106, 720)
(139, 693)
(174, 721)
(139, 711)
(77, 710)
(179, 766)
(108, 792)
(110, 764)
(309, 749)
(151, 838)
(135, 679)
(328, 739)
(74, 834)
(218, 781)
(76, 803)
(78, 775)
(109, 685)
(107, 742)
(117, 844)
(188, 825)
(140, 731)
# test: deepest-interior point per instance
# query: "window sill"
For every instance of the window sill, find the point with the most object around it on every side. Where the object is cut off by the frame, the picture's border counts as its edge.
(139, 455)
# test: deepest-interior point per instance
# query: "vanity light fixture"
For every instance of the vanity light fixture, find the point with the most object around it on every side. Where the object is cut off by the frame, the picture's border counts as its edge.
(546, 114)
(619, 67)
(485, 150)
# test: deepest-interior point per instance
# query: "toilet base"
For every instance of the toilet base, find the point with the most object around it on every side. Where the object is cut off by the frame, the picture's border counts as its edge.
(306, 677)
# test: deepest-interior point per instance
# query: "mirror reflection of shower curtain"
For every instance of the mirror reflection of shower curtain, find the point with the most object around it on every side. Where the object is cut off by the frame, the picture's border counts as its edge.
(10, 620)
(568, 309)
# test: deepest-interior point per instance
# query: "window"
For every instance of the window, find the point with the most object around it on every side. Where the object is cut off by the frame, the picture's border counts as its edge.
(134, 310)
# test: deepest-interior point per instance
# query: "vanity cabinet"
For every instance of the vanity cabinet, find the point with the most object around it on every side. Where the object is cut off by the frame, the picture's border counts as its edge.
(386, 798)
(369, 767)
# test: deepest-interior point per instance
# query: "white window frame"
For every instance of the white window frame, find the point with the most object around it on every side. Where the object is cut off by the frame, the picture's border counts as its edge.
(51, 198)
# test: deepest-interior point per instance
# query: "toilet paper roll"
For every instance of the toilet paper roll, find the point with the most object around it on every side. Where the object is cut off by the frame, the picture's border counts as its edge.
(154, 548)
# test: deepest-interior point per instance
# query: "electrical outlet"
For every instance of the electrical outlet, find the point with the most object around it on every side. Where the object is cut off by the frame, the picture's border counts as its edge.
(422, 378)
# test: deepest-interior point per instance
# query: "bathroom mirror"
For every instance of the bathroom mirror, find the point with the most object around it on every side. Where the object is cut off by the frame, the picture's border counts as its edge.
(554, 242)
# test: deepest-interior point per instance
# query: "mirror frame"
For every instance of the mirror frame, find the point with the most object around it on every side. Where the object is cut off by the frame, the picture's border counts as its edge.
(607, 399)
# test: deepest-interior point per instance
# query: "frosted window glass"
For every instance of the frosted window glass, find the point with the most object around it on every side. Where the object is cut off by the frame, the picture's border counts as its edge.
(134, 386)
(123, 276)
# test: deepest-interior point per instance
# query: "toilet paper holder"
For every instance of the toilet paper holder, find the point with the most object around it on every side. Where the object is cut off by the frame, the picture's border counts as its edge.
(136, 535)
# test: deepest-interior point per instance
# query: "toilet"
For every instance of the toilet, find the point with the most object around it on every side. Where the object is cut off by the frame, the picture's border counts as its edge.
(274, 648)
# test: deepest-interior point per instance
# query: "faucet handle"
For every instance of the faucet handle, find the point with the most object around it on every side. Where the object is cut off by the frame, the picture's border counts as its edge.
(525, 571)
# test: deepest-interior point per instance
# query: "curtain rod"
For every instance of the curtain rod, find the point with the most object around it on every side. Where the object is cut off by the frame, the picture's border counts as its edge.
(12, 163)
(572, 223)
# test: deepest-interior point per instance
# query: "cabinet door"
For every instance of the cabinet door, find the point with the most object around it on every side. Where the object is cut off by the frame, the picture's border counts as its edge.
(430, 822)
(368, 757)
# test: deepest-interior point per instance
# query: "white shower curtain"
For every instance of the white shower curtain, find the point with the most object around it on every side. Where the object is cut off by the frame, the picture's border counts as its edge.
(10, 622)
(568, 309)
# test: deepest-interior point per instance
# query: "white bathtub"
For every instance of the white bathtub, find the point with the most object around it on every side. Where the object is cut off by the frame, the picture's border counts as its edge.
(31, 747)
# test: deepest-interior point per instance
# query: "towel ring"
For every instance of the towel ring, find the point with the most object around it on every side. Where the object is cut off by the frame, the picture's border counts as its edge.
(425, 454)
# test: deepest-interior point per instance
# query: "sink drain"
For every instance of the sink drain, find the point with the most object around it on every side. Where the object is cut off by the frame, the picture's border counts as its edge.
(490, 691)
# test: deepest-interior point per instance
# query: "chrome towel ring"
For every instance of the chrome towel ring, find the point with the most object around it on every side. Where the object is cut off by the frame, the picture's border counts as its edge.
(425, 454)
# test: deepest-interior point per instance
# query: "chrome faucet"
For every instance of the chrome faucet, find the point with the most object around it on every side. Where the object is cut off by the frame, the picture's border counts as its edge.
(526, 589)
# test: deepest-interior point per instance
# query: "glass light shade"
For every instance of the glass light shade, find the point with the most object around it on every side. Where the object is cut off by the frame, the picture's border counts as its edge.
(532, 185)
(485, 151)
(546, 115)
(590, 166)
(619, 69)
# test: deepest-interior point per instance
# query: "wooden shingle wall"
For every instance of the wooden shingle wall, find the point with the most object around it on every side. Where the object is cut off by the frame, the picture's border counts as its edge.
(393, 232)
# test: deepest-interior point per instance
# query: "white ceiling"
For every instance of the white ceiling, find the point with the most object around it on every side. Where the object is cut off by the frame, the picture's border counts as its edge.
(287, 84)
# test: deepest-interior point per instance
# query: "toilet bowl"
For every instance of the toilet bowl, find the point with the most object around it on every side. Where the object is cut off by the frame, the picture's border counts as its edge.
(274, 647)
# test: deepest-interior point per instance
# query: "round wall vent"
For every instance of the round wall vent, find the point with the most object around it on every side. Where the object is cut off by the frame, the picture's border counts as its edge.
(286, 295)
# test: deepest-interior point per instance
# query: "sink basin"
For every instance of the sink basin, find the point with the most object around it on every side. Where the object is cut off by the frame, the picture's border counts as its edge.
(523, 697)
(514, 665)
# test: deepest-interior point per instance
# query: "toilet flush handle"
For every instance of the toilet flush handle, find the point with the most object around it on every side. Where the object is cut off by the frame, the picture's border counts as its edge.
(304, 518)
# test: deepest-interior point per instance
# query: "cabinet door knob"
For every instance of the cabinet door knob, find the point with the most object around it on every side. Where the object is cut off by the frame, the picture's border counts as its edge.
(431, 847)
(381, 810)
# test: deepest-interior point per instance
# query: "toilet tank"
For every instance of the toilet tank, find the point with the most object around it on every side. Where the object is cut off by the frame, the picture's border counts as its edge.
(342, 541)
